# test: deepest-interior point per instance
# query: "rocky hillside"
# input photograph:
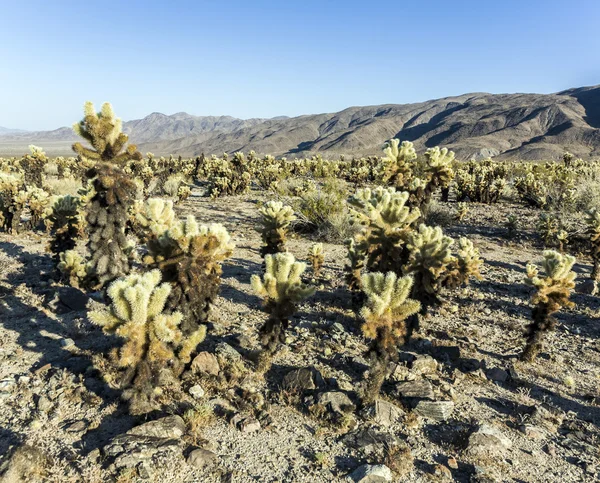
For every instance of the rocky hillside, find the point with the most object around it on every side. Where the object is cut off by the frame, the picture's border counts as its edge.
(526, 126)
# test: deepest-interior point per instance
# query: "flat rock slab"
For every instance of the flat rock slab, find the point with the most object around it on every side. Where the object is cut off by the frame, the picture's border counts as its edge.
(336, 401)
(418, 389)
(386, 414)
(436, 410)
(488, 440)
(371, 474)
(170, 427)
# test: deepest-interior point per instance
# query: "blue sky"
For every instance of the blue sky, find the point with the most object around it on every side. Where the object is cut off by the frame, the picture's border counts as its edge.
(267, 58)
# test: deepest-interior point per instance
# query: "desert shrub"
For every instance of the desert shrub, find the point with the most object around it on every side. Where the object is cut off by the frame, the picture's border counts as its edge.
(62, 186)
(171, 186)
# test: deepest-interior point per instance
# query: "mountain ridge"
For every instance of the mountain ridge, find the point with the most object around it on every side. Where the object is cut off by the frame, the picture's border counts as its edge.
(522, 125)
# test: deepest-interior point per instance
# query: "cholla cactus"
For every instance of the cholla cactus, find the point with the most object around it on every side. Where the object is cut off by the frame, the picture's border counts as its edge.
(385, 222)
(281, 288)
(152, 217)
(593, 231)
(276, 219)
(152, 336)
(548, 226)
(468, 261)
(65, 225)
(429, 259)
(72, 268)
(552, 294)
(10, 209)
(33, 166)
(512, 223)
(37, 201)
(385, 312)
(461, 211)
(183, 193)
(107, 212)
(104, 132)
(190, 257)
(228, 177)
(316, 258)
(398, 163)
(562, 238)
(439, 172)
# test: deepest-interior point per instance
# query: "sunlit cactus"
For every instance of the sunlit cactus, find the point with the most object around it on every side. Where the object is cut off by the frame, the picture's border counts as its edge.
(439, 172)
(152, 337)
(281, 288)
(37, 201)
(104, 132)
(461, 211)
(276, 220)
(190, 256)
(72, 267)
(593, 232)
(398, 162)
(33, 165)
(316, 258)
(385, 312)
(548, 226)
(183, 193)
(553, 290)
(152, 217)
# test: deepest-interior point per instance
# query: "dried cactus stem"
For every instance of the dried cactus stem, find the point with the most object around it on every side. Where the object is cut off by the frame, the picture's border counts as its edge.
(542, 323)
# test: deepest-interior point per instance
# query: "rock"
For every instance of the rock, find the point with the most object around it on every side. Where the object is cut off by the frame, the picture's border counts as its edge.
(533, 432)
(196, 391)
(442, 472)
(73, 298)
(470, 365)
(496, 374)
(424, 364)
(200, 458)
(128, 450)
(336, 401)
(8, 385)
(418, 389)
(67, 342)
(26, 464)
(169, 427)
(244, 342)
(488, 440)
(452, 463)
(386, 414)
(44, 404)
(436, 410)
(144, 470)
(77, 427)
(398, 372)
(337, 328)
(450, 353)
(371, 474)
(206, 363)
(299, 380)
(245, 424)
(371, 443)
(227, 352)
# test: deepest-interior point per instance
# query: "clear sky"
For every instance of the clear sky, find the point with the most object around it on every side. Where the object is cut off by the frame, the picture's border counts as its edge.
(267, 58)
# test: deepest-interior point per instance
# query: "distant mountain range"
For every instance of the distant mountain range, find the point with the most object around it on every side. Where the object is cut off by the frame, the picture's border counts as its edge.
(525, 126)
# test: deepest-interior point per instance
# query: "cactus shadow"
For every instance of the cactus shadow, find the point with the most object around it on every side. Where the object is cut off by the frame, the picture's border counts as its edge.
(8, 438)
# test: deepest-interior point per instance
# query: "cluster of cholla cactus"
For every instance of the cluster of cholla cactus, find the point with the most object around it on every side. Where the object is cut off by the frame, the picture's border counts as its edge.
(65, 224)
(155, 347)
(33, 165)
(189, 256)
(37, 202)
(12, 202)
(107, 212)
(228, 176)
(480, 182)
(276, 220)
(552, 294)
(385, 313)
(151, 218)
(593, 232)
(397, 163)
(73, 268)
(316, 257)
(548, 226)
(281, 288)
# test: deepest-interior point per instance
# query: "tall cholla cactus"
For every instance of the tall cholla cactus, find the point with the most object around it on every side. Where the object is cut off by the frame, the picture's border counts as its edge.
(385, 312)
(552, 294)
(593, 231)
(468, 263)
(385, 223)
(152, 217)
(152, 337)
(33, 165)
(37, 201)
(316, 258)
(276, 219)
(65, 225)
(190, 257)
(281, 288)
(398, 161)
(107, 213)
(12, 202)
(104, 132)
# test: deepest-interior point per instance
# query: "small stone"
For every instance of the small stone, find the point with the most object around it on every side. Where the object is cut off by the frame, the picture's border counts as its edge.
(336, 401)
(299, 380)
(44, 404)
(424, 364)
(67, 342)
(201, 458)
(443, 472)
(76, 427)
(419, 389)
(196, 391)
(447, 352)
(250, 425)
(8, 385)
(399, 372)
(224, 350)
(206, 363)
(452, 463)
(551, 449)
(588, 287)
(171, 427)
(533, 432)
(436, 410)
(497, 375)
(73, 298)
(371, 474)
(144, 470)
(244, 342)
(488, 439)
(24, 380)
(386, 414)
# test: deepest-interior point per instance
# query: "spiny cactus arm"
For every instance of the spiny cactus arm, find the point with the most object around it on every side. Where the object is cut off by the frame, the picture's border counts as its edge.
(469, 262)
(189, 344)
